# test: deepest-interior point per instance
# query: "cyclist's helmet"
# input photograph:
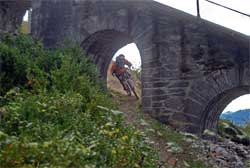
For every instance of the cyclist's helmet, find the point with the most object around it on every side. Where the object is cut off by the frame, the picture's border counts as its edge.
(121, 56)
(120, 61)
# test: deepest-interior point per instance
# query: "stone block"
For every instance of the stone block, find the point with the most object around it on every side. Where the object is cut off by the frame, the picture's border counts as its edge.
(193, 108)
(160, 98)
(160, 104)
(179, 84)
(146, 102)
(185, 118)
(175, 103)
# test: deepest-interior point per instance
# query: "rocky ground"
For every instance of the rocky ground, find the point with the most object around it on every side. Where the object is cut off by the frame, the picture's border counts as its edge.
(223, 153)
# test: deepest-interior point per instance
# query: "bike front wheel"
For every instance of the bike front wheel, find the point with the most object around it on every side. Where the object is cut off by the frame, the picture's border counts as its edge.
(132, 88)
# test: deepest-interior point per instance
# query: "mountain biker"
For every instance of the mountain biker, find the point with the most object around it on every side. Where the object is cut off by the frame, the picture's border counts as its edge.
(118, 69)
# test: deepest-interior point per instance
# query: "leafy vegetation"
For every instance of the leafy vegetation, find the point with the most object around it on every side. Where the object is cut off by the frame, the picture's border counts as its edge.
(50, 117)
(234, 132)
(246, 127)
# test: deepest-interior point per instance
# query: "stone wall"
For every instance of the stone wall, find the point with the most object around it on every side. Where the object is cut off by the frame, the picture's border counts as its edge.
(101, 27)
(197, 69)
(191, 68)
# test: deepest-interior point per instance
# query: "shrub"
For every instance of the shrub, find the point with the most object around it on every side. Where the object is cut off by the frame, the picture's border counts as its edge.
(51, 117)
(236, 133)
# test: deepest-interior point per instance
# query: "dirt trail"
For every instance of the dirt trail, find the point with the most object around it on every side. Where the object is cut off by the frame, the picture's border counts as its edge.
(130, 106)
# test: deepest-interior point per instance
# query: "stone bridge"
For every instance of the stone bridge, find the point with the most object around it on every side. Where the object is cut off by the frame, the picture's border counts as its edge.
(191, 68)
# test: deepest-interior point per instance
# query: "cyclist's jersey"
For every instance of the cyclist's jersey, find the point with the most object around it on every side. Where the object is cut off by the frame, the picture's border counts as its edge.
(119, 70)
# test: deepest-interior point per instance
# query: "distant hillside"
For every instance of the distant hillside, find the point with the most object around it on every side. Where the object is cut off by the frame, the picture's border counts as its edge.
(238, 117)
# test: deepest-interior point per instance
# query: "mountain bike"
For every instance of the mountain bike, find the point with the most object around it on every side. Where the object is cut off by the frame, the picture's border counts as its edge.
(129, 83)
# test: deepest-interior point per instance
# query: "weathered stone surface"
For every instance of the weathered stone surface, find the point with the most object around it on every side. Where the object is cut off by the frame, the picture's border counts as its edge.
(195, 67)
(185, 118)
(146, 102)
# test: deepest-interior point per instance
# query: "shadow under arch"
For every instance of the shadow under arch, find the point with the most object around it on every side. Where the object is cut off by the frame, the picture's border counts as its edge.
(216, 106)
(102, 45)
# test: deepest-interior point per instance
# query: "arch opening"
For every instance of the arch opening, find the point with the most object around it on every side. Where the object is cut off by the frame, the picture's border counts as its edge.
(132, 54)
(238, 111)
(218, 104)
(26, 22)
(102, 46)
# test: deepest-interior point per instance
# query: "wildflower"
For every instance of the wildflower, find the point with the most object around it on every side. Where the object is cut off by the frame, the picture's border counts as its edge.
(124, 138)
(114, 151)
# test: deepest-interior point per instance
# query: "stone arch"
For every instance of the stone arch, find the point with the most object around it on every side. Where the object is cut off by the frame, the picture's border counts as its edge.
(217, 105)
(100, 27)
(209, 96)
(102, 45)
